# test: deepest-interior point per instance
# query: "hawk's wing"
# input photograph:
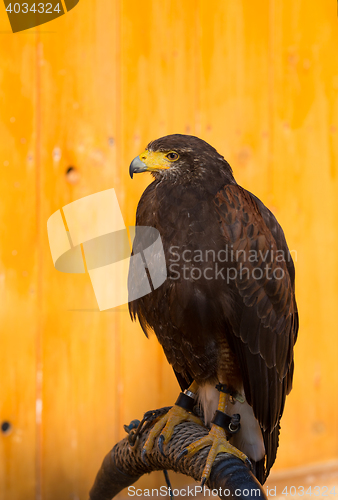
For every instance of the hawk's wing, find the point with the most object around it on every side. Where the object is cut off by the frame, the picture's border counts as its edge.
(265, 321)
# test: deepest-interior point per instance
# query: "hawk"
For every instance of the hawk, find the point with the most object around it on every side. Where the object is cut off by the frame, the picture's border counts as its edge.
(226, 316)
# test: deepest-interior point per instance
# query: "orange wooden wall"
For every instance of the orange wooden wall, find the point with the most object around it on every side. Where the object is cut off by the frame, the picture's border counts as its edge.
(259, 81)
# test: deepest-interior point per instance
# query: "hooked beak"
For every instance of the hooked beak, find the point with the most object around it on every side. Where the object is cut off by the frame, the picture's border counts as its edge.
(137, 166)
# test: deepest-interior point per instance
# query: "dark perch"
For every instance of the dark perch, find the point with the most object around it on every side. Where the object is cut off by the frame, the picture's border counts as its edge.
(123, 466)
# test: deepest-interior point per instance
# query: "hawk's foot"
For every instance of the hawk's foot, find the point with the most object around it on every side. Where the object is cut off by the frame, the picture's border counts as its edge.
(219, 444)
(165, 427)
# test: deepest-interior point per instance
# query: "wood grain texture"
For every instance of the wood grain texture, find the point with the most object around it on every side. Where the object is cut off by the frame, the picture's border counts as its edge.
(259, 81)
(19, 272)
(304, 142)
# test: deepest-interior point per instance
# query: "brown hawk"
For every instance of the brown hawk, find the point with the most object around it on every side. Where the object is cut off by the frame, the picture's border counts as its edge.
(226, 316)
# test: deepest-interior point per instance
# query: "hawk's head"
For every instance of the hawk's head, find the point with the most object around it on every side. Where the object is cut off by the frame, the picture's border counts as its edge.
(179, 157)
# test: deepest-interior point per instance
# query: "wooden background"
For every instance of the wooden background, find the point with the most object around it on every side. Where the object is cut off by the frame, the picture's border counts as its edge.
(259, 81)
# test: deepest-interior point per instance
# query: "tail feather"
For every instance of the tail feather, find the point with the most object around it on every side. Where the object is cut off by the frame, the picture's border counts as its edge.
(261, 469)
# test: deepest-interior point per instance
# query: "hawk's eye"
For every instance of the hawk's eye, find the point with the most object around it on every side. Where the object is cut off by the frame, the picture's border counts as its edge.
(172, 156)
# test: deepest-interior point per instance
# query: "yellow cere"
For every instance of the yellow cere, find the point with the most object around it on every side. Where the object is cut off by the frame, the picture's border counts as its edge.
(156, 160)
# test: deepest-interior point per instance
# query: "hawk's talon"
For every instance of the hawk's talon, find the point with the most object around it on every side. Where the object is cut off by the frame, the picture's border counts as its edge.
(160, 444)
(143, 457)
(182, 454)
(219, 444)
(164, 428)
(248, 463)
